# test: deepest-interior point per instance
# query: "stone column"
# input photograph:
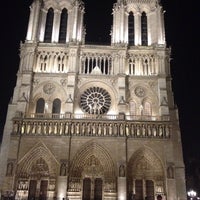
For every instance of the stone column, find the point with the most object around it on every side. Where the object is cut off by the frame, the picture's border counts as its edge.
(121, 188)
(137, 18)
(161, 28)
(61, 187)
(122, 192)
(42, 25)
(33, 21)
(30, 24)
(56, 26)
(36, 20)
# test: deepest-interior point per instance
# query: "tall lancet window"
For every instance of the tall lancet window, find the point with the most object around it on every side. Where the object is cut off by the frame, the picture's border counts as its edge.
(144, 29)
(63, 26)
(147, 109)
(132, 106)
(49, 25)
(131, 30)
(40, 106)
(56, 106)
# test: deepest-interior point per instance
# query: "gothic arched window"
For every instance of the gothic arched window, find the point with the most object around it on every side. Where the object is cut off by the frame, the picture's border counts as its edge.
(146, 109)
(131, 29)
(144, 29)
(40, 105)
(63, 26)
(132, 107)
(145, 67)
(56, 106)
(131, 66)
(49, 25)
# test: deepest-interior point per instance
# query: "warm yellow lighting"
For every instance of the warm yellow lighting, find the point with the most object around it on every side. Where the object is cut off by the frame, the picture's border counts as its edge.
(111, 112)
(121, 197)
(192, 194)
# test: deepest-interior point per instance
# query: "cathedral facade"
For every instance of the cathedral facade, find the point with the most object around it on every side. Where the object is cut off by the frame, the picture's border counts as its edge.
(93, 122)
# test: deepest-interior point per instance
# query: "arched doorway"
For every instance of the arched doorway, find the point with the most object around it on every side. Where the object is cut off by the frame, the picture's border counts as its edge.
(92, 188)
(145, 175)
(36, 175)
(92, 175)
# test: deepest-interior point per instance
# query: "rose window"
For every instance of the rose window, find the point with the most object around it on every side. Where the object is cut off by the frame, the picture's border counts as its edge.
(95, 100)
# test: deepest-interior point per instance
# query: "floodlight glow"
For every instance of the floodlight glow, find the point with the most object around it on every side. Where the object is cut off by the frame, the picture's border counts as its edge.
(192, 194)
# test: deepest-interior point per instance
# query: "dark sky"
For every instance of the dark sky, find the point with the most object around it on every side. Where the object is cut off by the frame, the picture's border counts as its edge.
(182, 35)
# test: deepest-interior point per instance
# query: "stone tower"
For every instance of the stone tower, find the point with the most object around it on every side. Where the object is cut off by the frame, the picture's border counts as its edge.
(93, 122)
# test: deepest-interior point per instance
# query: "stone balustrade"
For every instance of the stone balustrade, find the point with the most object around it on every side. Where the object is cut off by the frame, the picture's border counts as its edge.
(98, 126)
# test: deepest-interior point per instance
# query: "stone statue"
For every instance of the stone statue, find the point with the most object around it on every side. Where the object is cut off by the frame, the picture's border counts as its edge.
(121, 171)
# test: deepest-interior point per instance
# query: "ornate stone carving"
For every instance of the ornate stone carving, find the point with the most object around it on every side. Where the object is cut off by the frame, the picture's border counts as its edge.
(95, 100)
(140, 91)
(49, 88)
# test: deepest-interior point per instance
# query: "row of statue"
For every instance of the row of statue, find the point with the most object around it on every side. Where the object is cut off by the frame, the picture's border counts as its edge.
(92, 129)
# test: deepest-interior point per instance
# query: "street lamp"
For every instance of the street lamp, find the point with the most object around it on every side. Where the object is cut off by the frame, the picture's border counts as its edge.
(192, 194)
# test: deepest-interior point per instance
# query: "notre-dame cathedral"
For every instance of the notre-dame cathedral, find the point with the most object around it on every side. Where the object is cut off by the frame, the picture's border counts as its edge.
(93, 122)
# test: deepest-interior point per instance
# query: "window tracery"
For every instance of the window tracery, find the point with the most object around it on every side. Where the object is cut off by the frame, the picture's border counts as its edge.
(40, 168)
(95, 100)
(142, 64)
(90, 62)
(51, 62)
(147, 109)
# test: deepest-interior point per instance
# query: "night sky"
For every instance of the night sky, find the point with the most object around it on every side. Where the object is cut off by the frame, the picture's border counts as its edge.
(182, 35)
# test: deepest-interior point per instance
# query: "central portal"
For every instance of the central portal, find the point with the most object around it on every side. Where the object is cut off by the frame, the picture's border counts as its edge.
(92, 189)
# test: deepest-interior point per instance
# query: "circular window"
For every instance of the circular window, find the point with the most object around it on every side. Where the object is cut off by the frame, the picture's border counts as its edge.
(49, 88)
(139, 91)
(95, 100)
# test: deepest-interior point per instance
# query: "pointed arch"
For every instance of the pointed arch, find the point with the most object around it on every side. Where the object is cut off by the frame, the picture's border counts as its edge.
(132, 108)
(89, 151)
(131, 28)
(56, 106)
(93, 152)
(131, 66)
(40, 104)
(145, 174)
(147, 108)
(144, 32)
(49, 25)
(38, 155)
(93, 162)
(63, 26)
(145, 162)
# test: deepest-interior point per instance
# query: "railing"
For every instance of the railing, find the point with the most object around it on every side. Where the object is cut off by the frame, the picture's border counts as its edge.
(93, 116)
(96, 126)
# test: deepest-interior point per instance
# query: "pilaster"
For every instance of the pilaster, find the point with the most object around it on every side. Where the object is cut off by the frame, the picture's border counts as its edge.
(122, 194)
(137, 18)
(61, 187)
(56, 26)
(42, 25)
